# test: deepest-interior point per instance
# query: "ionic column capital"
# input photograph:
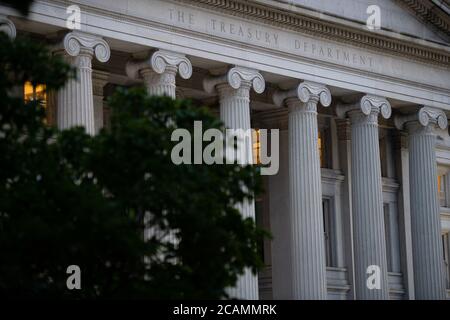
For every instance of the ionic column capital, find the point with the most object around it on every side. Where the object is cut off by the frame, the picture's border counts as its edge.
(161, 61)
(305, 92)
(426, 118)
(236, 78)
(367, 109)
(7, 26)
(77, 42)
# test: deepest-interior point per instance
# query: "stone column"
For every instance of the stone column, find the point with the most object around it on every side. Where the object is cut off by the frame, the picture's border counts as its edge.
(159, 72)
(159, 75)
(309, 279)
(76, 101)
(234, 94)
(429, 278)
(99, 79)
(367, 202)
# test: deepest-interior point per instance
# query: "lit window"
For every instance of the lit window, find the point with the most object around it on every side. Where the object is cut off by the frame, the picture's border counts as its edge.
(37, 92)
(256, 146)
(441, 190)
(323, 146)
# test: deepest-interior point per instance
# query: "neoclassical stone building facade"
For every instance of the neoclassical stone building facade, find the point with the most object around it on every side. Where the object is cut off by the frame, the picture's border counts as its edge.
(364, 177)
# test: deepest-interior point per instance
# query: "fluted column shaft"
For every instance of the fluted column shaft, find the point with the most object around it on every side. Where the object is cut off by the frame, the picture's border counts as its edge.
(235, 114)
(367, 203)
(234, 94)
(429, 280)
(425, 215)
(305, 194)
(75, 100)
(308, 265)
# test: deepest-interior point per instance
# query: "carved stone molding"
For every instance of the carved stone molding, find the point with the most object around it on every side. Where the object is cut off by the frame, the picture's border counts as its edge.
(426, 117)
(368, 105)
(429, 13)
(7, 26)
(160, 61)
(236, 77)
(76, 42)
(305, 92)
(310, 25)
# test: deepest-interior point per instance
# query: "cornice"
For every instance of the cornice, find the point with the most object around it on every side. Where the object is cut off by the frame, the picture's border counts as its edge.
(333, 31)
(431, 13)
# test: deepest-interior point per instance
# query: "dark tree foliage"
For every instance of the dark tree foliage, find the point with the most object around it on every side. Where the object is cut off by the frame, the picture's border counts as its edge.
(68, 198)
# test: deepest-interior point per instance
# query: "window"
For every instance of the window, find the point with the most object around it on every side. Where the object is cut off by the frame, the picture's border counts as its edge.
(256, 146)
(321, 148)
(37, 92)
(391, 229)
(328, 229)
(441, 190)
(323, 144)
(383, 157)
(388, 236)
(446, 256)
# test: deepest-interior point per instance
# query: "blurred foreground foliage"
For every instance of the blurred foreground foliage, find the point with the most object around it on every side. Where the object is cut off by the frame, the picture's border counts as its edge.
(68, 198)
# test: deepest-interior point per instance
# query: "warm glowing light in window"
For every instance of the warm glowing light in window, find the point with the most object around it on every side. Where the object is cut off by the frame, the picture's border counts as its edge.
(439, 183)
(320, 144)
(256, 147)
(37, 92)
